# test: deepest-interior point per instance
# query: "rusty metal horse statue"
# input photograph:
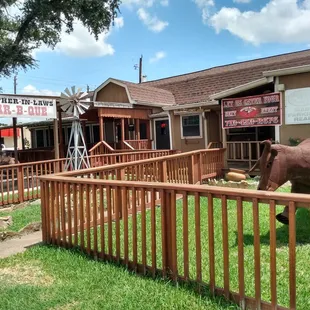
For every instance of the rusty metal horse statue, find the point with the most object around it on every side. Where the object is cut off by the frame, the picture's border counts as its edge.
(281, 163)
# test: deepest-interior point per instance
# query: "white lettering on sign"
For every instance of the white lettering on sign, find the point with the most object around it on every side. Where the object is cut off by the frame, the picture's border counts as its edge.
(19, 106)
(269, 110)
(230, 113)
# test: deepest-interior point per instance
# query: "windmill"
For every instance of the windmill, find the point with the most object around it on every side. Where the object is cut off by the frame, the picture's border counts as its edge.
(72, 103)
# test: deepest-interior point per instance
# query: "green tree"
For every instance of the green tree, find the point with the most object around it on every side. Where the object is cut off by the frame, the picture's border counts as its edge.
(41, 22)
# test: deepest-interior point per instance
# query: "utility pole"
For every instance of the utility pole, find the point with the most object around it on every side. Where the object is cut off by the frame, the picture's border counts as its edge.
(140, 69)
(14, 124)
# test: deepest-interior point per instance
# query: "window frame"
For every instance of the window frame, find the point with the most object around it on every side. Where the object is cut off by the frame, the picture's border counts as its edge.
(200, 126)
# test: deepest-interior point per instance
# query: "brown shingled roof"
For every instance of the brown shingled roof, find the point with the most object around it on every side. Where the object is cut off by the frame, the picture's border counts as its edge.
(148, 94)
(198, 86)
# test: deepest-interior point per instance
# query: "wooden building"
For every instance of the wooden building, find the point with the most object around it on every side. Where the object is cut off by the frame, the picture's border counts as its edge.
(184, 112)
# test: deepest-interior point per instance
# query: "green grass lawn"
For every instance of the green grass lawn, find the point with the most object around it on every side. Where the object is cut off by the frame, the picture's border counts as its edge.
(23, 217)
(48, 278)
(302, 249)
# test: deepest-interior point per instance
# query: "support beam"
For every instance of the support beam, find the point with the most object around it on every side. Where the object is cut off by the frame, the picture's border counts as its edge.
(101, 128)
(15, 138)
(137, 129)
(123, 129)
(56, 140)
(23, 138)
(61, 138)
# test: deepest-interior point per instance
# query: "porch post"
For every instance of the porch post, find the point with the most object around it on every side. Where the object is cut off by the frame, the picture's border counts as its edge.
(23, 139)
(123, 128)
(137, 129)
(171, 129)
(101, 128)
(61, 140)
(15, 138)
(56, 142)
(224, 140)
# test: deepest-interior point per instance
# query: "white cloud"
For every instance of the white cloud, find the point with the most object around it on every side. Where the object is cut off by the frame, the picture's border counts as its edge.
(158, 56)
(119, 22)
(242, 1)
(205, 6)
(80, 43)
(152, 22)
(164, 2)
(279, 21)
(32, 90)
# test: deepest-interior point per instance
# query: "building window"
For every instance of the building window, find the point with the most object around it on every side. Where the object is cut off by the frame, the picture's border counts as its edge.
(191, 126)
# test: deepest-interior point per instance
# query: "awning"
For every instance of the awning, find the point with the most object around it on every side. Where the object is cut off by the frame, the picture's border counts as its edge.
(9, 132)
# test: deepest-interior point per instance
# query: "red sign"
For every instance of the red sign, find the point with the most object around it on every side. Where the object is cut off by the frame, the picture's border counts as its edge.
(254, 111)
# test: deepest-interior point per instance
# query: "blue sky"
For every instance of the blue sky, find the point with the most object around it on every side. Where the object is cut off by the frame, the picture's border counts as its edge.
(174, 36)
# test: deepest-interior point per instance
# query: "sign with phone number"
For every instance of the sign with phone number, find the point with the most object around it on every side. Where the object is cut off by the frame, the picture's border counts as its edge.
(254, 111)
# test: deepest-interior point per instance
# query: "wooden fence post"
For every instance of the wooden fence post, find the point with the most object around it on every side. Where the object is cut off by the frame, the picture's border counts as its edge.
(194, 169)
(20, 183)
(163, 171)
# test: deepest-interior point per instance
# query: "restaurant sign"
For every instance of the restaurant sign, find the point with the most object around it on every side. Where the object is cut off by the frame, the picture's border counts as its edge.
(254, 111)
(23, 106)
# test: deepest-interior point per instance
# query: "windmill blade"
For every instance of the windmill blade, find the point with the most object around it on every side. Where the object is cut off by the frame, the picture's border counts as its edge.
(70, 109)
(84, 106)
(83, 95)
(67, 91)
(80, 110)
(66, 106)
(64, 96)
(73, 90)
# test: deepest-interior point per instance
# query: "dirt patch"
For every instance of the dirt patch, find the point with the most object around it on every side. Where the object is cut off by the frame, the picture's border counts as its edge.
(32, 274)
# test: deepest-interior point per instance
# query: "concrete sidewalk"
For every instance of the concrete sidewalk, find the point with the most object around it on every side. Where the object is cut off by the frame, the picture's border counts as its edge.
(19, 245)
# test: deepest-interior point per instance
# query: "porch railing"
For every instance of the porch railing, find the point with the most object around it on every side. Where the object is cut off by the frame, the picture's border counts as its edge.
(143, 144)
(186, 233)
(244, 152)
(19, 183)
(100, 148)
(184, 168)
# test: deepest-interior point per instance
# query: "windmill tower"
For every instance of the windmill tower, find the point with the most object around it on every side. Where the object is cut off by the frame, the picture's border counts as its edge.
(72, 103)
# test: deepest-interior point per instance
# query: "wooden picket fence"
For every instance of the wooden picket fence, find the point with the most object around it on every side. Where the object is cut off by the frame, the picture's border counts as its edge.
(152, 217)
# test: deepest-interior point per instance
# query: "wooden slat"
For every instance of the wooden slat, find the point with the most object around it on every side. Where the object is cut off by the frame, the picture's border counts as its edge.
(81, 215)
(273, 254)
(134, 228)
(225, 246)
(63, 213)
(117, 222)
(125, 221)
(57, 185)
(68, 195)
(75, 214)
(101, 213)
(143, 228)
(198, 239)
(292, 254)
(185, 236)
(164, 209)
(109, 211)
(95, 217)
(257, 253)
(153, 232)
(174, 265)
(211, 243)
(88, 219)
(240, 253)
